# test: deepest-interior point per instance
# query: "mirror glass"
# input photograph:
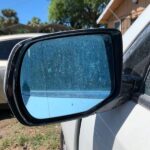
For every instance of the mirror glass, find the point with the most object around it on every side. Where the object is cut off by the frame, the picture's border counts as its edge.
(66, 75)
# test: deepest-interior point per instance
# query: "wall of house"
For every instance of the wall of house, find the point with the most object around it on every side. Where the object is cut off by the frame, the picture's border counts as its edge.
(127, 12)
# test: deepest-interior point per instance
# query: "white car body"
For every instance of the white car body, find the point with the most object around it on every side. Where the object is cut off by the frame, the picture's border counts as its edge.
(3, 62)
(126, 127)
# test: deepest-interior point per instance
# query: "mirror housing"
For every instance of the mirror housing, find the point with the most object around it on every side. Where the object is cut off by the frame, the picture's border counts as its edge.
(69, 46)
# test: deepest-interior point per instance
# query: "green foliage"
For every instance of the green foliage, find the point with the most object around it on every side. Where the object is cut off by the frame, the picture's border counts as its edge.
(1, 21)
(78, 13)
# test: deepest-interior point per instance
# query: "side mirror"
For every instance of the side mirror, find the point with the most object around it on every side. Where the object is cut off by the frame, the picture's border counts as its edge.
(64, 75)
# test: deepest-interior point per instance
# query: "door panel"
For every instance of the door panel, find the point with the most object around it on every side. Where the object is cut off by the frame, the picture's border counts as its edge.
(86, 133)
(124, 128)
(71, 131)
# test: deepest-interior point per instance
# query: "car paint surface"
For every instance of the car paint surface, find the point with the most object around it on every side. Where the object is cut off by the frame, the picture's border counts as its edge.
(124, 128)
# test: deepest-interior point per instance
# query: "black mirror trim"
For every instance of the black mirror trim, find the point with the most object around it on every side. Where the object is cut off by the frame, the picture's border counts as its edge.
(12, 78)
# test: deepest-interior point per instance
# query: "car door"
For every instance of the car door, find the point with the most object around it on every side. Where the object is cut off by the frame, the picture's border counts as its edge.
(127, 126)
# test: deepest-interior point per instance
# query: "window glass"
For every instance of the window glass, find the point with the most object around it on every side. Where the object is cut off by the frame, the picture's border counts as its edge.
(6, 47)
(137, 57)
(147, 85)
(117, 25)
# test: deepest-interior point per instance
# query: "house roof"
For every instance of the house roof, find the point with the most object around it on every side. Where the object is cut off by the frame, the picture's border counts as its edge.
(110, 8)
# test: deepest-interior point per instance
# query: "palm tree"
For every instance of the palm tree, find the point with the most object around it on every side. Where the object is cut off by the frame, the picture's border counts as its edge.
(9, 17)
(9, 13)
(35, 22)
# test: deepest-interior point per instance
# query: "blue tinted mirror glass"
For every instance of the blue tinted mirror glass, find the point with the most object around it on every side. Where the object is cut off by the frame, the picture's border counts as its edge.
(66, 75)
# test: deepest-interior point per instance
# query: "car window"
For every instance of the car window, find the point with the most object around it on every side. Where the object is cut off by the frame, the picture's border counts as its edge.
(136, 59)
(147, 84)
(6, 47)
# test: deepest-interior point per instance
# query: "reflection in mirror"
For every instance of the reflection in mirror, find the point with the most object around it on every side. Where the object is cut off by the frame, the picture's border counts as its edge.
(65, 76)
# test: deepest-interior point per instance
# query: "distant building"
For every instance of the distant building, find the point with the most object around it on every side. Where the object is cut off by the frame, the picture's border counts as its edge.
(120, 14)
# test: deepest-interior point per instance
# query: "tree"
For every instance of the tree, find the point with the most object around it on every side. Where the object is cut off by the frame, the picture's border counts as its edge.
(1, 21)
(8, 17)
(76, 13)
(35, 22)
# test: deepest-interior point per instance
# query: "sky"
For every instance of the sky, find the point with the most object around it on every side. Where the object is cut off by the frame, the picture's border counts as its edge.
(26, 9)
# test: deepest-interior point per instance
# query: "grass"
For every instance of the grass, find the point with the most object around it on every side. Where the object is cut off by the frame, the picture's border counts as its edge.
(19, 137)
